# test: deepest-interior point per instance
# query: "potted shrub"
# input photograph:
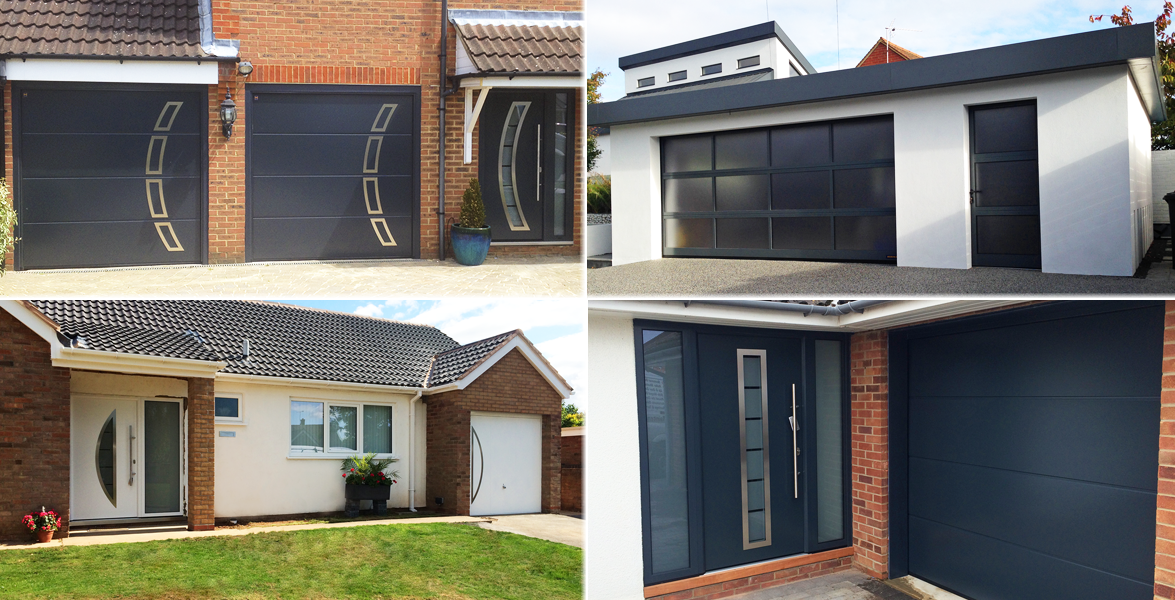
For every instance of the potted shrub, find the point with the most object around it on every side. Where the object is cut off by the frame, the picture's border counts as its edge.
(366, 480)
(471, 237)
(43, 523)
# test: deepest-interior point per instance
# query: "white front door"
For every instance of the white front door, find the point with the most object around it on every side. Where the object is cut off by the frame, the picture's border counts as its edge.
(506, 464)
(126, 458)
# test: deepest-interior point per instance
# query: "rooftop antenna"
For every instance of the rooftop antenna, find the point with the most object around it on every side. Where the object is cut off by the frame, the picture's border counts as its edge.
(889, 34)
(838, 34)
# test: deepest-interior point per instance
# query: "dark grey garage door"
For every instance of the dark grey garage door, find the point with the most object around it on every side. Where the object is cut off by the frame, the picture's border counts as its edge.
(333, 172)
(1031, 454)
(109, 175)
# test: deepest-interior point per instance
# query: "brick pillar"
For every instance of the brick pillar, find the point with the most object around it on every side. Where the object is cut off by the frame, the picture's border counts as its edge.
(552, 477)
(869, 364)
(201, 454)
(1165, 517)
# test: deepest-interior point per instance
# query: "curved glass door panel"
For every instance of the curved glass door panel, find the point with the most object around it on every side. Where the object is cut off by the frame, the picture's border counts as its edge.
(507, 159)
(104, 459)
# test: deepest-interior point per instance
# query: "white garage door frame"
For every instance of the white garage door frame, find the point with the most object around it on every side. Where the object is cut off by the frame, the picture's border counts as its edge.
(505, 463)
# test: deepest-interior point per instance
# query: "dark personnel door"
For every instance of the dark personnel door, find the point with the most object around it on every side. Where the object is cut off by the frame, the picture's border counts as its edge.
(109, 175)
(525, 168)
(333, 172)
(1005, 186)
(753, 509)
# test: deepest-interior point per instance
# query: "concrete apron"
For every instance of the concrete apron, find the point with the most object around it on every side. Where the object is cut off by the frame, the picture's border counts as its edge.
(551, 527)
(150, 534)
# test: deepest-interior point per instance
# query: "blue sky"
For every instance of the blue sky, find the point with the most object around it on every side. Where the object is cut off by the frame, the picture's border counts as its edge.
(556, 327)
(617, 28)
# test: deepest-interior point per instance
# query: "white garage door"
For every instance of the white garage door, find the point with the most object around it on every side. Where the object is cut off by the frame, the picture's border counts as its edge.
(506, 465)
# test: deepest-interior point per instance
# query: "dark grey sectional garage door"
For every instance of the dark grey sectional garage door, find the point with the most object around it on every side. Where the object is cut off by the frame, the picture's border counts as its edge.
(108, 176)
(1032, 452)
(333, 172)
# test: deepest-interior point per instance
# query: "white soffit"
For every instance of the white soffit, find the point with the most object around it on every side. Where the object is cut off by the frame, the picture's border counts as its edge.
(890, 314)
(523, 81)
(205, 72)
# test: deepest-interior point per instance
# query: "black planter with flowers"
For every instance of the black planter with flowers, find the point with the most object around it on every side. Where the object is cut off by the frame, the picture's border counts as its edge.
(366, 480)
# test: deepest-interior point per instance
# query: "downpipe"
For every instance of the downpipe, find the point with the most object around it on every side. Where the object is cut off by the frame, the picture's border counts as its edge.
(412, 450)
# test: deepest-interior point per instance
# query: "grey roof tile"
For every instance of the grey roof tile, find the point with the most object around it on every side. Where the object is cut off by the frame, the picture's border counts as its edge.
(126, 28)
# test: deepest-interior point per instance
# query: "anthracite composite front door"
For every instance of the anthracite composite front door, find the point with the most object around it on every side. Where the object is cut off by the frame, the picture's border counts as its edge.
(109, 175)
(525, 165)
(1005, 186)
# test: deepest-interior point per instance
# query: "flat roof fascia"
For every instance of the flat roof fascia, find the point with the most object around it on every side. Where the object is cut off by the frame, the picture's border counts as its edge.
(1134, 45)
(737, 37)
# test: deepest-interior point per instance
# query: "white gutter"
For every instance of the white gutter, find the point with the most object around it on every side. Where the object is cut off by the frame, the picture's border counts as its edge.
(314, 383)
(412, 450)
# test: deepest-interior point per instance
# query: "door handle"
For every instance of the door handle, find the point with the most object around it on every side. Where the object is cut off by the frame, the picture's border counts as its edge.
(539, 160)
(973, 192)
(795, 447)
(130, 452)
(482, 465)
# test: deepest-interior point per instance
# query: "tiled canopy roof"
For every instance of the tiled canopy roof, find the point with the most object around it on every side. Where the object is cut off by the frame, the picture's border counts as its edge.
(142, 28)
(516, 46)
(284, 341)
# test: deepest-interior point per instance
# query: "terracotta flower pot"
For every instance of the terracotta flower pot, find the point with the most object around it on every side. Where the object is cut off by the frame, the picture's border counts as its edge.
(43, 537)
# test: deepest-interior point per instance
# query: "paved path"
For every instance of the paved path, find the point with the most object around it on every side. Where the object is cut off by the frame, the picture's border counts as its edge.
(150, 534)
(846, 585)
(693, 277)
(551, 527)
(508, 276)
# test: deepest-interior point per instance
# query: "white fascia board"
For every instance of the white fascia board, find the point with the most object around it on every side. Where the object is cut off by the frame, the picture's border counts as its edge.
(533, 356)
(37, 324)
(314, 383)
(205, 72)
(135, 364)
(884, 316)
(523, 81)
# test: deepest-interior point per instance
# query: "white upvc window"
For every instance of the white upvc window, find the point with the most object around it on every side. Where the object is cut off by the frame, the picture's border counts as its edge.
(332, 429)
(229, 409)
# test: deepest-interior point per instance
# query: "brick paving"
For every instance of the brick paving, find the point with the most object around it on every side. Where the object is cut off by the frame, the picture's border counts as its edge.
(504, 276)
(846, 585)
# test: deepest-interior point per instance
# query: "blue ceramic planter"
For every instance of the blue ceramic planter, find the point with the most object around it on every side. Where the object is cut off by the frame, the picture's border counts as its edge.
(470, 244)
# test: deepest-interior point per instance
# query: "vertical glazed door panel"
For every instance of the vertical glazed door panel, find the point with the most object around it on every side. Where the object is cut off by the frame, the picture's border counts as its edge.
(102, 459)
(1005, 186)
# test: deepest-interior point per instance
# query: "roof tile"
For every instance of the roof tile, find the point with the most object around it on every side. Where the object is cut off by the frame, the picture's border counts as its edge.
(523, 48)
(147, 28)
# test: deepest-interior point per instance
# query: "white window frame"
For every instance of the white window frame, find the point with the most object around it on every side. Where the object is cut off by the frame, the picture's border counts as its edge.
(327, 452)
(240, 418)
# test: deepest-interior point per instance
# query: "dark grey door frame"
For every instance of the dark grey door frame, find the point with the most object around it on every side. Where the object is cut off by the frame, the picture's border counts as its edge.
(17, 195)
(899, 396)
(313, 88)
(695, 444)
(1026, 261)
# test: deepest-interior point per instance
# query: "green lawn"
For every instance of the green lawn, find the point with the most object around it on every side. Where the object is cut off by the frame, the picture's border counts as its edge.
(441, 560)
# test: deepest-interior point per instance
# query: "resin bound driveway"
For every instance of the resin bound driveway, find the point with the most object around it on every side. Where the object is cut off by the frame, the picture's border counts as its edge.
(528, 276)
(693, 277)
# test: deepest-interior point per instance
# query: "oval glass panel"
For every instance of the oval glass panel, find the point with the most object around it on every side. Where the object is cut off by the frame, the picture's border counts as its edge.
(104, 460)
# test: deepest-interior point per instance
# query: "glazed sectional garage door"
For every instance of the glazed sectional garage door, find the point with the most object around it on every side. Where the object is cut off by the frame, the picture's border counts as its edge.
(332, 172)
(1032, 452)
(109, 176)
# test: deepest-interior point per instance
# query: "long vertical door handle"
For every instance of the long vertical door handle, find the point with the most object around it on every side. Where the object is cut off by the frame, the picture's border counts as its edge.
(481, 465)
(130, 452)
(539, 163)
(795, 449)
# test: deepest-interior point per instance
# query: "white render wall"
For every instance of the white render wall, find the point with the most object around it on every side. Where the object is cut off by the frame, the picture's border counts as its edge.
(1141, 204)
(771, 51)
(616, 568)
(1162, 183)
(1084, 128)
(255, 476)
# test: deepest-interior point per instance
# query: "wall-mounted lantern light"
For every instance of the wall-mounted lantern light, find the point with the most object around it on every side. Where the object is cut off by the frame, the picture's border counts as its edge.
(245, 68)
(228, 115)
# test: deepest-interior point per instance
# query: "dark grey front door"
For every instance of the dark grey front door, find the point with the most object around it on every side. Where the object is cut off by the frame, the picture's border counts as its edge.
(1033, 444)
(525, 165)
(750, 389)
(333, 172)
(1005, 186)
(109, 175)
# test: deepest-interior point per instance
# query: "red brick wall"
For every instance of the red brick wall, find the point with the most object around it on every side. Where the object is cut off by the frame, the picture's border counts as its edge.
(34, 430)
(751, 583)
(869, 370)
(201, 454)
(1165, 515)
(8, 165)
(512, 385)
(572, 476)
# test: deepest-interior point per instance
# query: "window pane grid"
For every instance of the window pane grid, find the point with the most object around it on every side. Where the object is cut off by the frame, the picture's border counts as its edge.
(319, 427)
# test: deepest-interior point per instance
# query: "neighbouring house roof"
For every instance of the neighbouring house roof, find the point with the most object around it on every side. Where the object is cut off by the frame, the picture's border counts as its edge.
(738, 37)
(1133, 46)
(106, 28)
(878, 53)
(521, 42)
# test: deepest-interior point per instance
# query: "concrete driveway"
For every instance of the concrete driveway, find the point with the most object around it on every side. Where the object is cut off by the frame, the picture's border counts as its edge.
(551, 527)
(694, 277)
(508, 276)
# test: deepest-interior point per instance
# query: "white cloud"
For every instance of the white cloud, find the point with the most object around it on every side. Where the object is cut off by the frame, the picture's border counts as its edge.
(620, 27)
(568, 354)
(370, 310)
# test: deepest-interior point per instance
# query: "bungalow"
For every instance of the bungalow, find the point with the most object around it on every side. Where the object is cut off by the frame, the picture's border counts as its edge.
(994, 449)
(256, 131)
(1034, 155)
(130, 411)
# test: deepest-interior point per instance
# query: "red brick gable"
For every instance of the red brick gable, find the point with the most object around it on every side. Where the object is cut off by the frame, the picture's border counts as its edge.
(884, 52)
